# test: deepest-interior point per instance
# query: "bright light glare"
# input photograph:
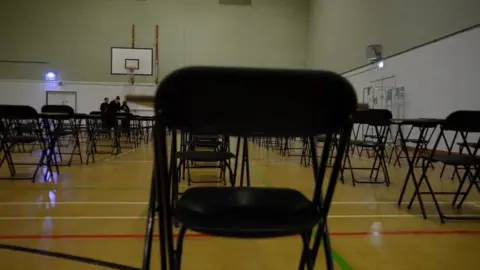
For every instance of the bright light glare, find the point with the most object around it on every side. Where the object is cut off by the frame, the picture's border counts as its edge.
(50, 76)
(380, 64)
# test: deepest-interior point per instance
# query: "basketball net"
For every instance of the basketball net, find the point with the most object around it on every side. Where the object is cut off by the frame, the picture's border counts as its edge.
(131, 74)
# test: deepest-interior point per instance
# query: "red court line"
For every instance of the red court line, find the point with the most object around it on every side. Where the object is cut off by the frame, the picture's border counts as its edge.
(196, 235)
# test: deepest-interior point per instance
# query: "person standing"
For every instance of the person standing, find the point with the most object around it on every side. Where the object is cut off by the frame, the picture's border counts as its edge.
(114, 106)
(104, 105)
(111, 112)
(126, 120)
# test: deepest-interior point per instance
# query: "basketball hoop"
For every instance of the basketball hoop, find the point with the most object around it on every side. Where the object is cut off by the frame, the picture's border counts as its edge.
(131, 74)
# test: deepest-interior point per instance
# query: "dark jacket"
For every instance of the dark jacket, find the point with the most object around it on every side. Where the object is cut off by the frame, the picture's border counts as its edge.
(103, 107)
(113, 107)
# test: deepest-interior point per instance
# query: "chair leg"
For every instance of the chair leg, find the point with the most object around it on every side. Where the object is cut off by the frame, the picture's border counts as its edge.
(306, 259)
(178, 251)
(473, 181)
(460, 187)
(328, 250)
(147, 251)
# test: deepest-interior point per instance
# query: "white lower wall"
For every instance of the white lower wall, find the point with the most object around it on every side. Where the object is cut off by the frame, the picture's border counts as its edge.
(89, 95)
(438, 78)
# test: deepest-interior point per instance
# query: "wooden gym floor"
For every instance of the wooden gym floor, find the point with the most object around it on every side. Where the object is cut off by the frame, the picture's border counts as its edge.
(95, 215)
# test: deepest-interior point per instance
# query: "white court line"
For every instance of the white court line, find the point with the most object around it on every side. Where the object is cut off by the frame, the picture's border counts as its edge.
(119, 155)
(131, 161)
(476, 204)
(144, 217)
(73, 203)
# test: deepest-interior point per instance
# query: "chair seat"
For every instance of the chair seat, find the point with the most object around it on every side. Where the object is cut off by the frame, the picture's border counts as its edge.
(372, 144)
(207, 156)
(21, 139)
(455, 160)
(416, 141)
(246, 212)
(204, 143)
(62, 132)
(469, 144)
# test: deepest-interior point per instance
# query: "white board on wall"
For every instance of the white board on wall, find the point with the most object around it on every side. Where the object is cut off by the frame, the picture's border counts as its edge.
(141, 58)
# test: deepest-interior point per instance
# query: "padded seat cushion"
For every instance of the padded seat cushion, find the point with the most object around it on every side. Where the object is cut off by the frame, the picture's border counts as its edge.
(202, 143)
(469, 144)
(366, 143)
(416, 141)
(20, 139)
(206, 156)
(246, 212)
(456, 160)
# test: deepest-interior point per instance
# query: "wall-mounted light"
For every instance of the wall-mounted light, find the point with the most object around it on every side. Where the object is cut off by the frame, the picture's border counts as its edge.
(50, 76)
(380, 64)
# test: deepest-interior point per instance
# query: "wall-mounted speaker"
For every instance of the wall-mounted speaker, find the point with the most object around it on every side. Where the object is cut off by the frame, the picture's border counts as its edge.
(374, 53)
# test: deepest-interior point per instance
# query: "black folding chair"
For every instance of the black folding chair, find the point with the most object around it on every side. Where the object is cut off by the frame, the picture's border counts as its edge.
(463, 123)
(22, 125)
(201, 148)
(105, 133)
(379, 121)
(60, 121)
(304, 104)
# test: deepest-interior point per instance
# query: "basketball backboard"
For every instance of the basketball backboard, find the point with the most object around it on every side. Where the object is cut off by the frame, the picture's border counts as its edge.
(125, 58)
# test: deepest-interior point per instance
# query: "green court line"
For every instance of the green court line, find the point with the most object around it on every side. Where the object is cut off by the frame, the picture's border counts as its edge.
(336, 257)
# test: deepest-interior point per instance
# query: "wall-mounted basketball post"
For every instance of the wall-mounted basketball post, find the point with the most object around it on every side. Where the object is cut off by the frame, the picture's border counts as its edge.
(133, 36)
(131, 66)
(156, 55)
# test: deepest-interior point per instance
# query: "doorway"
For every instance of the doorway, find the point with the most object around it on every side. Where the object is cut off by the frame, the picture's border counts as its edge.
(66, 98)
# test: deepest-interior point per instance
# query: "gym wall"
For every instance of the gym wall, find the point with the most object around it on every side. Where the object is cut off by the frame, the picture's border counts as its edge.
(340, 30)
(75, 36)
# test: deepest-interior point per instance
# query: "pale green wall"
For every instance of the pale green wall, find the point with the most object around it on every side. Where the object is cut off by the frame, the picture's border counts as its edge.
(75, 36)
(339, 30)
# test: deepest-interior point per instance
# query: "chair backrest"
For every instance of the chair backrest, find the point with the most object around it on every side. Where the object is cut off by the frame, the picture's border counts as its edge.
(17, 112)
(463, 121)
(58, 109)
(373, 117)
(244, 101)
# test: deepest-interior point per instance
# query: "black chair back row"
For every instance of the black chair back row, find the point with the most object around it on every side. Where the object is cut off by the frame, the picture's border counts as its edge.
(373, 117)
(21, 126)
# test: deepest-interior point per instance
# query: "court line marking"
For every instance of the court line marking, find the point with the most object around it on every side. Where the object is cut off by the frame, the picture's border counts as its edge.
(111, 158)
(45, 187)
(344, 265)
(119, 155)
(6, 218)
(476, 204)
(132, 161)
(66, 256)
(199, 235)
